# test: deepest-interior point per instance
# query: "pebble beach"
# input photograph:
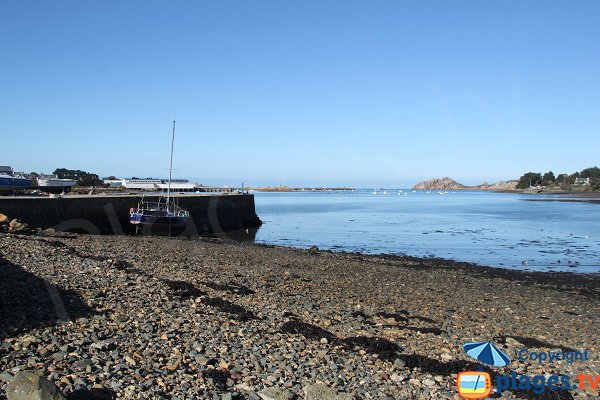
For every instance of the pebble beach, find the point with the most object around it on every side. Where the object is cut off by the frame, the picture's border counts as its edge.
(105, 317)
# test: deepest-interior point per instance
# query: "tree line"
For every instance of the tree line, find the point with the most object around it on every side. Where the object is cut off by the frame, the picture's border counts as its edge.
(564, 181)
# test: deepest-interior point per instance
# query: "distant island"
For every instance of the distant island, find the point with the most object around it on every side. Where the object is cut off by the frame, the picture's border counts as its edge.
(586, 180)
(450, 184)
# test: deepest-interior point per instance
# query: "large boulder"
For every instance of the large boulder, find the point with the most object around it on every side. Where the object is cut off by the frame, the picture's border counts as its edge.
(273, 393)
(319, 391)
(28, 386)
(3, 219)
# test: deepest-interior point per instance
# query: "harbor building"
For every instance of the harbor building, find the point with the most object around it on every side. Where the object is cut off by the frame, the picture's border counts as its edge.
(152, 184)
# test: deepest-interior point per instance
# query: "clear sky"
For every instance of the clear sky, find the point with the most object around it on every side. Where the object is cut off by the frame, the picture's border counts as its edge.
(369, 93)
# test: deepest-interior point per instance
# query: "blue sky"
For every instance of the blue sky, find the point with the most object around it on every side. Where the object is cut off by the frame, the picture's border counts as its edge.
(301, 92)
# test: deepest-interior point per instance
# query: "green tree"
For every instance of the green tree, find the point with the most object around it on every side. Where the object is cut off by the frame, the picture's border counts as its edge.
(572, 177)
(594, 174)
(88, 179)
(529, 179)
(562, 179)
(548, 178)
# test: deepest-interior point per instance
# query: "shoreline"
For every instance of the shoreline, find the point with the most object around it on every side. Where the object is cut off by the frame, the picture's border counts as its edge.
(573, 279)
(149, 317)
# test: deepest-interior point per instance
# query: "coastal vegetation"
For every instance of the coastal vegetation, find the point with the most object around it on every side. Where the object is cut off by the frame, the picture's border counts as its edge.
(585, 180)
(589, 180)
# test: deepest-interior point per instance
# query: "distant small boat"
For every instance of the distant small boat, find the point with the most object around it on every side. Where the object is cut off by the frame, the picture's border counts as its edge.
(162, 213)
(384, 192)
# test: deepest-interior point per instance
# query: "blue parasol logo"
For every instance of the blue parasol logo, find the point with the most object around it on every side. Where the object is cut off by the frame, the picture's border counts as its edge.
(487, 353)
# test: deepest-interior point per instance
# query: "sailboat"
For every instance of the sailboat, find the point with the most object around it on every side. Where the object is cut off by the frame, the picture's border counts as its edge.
(162, 213)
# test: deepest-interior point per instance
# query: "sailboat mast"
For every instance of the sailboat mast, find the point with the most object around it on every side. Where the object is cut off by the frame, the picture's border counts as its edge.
(171, 167)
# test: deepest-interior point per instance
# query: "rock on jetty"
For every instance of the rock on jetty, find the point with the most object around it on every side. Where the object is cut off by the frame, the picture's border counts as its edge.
(104, 317)
(12, 225)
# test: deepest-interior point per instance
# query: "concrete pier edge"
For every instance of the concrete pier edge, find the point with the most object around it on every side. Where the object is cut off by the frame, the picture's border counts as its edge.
(109, 214)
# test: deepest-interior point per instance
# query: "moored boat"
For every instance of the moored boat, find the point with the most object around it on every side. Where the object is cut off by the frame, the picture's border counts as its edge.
(162, 213)
(55, 185)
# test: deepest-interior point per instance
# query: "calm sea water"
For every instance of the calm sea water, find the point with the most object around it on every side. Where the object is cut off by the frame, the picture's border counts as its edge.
(494, 229)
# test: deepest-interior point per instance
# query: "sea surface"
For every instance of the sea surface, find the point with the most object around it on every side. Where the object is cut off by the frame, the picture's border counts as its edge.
(494, 229)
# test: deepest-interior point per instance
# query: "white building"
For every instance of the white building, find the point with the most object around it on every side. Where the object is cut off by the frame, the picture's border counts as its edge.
(152, 185)
(582, 181)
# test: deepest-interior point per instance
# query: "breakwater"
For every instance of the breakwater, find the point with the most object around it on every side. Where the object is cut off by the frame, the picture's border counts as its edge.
(102, 214)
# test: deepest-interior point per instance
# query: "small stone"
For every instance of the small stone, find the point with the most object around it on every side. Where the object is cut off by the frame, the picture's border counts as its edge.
(223, 365)
(399, 363)
(175, 364)
(120, 318)
(82, 364)
(201, 360)
(513, 342)
(324, 341)
(28, 386)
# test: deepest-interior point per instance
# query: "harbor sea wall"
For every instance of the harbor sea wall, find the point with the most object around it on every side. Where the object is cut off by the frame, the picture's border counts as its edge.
(109, 214)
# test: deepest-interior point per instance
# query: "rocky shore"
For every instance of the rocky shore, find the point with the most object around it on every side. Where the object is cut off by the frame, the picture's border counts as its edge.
(103, 317)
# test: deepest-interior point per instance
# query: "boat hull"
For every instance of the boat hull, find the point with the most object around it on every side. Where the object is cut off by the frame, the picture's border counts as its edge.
(157, 220)
(50, 185)
(13, 183)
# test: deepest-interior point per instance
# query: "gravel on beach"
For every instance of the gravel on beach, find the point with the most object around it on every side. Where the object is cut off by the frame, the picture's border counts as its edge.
(107, 317)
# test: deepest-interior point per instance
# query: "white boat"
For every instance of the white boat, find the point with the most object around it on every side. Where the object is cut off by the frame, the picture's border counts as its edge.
(55, 185)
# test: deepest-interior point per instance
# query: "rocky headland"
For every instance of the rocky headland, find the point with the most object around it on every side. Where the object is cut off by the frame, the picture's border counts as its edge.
(450, 184)
(105, 317)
